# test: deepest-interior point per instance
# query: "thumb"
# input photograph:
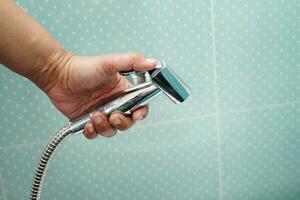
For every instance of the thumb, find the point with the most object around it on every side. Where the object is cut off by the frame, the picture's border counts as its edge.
(114, 63)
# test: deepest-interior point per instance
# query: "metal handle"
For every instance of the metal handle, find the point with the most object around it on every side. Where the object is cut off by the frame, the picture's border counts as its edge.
(126, 101)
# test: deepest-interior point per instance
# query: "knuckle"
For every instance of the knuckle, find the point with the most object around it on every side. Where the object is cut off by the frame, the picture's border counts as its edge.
(100, 127)
(106, 62)
(136, 56)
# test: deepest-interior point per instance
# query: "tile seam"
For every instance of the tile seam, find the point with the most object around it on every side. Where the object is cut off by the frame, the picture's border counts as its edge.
(2, 187)
(217, 118)
(180, 120)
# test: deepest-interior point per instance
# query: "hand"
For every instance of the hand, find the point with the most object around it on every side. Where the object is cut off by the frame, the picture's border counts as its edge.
(76, 84)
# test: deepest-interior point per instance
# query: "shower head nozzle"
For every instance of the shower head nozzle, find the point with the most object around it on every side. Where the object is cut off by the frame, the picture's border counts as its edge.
(166, 79)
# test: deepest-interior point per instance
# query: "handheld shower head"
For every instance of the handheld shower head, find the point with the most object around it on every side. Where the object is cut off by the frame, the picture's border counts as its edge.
(162, 79)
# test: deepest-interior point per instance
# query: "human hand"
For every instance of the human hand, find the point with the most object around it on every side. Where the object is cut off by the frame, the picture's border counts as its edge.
(75, 85)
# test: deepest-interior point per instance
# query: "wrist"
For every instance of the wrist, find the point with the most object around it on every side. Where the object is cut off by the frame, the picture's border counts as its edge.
(50, 69)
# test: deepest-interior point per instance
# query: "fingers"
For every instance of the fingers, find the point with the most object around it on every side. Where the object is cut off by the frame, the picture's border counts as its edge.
(121, 122)
(89, 131)
(140, 113)
(100, 125)
(115, 63)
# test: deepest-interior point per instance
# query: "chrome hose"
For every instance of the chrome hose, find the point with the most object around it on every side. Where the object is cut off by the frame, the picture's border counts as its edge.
(44, 162)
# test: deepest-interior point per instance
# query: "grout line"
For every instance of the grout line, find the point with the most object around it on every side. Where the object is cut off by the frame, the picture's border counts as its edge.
(213, 40)
(23, 144)
(178, 120)
(223, 113)
(144, 125)
(2, 187)
(261, 107)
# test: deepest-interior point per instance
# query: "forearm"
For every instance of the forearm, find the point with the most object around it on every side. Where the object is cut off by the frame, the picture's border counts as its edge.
(25, 47)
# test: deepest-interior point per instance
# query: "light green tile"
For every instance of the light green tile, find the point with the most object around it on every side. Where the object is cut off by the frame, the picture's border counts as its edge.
(175, 31)
(150, 162)
(25, 111)
(17, 168)
(2, 191)
(260, 154)
(257, 55)
(257, 52)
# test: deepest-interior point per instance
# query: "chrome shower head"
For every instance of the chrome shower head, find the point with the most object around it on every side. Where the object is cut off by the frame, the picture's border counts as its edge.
(162, 79)
(166, 79)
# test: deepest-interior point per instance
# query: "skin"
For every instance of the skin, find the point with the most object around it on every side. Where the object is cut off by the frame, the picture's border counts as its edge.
(74, 84)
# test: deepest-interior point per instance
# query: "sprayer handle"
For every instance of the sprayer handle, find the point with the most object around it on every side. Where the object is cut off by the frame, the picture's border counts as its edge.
(126, 101)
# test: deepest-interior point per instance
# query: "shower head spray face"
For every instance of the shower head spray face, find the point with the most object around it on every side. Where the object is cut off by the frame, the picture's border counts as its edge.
(166, 79)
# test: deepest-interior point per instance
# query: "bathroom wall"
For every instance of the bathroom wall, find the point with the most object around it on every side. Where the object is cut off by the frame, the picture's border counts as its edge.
(237, 137)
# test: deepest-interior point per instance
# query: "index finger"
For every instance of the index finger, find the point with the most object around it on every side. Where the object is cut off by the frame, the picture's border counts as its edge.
(115, 63)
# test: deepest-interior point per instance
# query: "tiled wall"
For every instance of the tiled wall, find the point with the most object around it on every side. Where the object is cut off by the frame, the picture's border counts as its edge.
(237, 137)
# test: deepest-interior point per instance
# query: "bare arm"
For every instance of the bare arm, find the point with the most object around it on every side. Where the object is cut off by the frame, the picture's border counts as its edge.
(25, 47)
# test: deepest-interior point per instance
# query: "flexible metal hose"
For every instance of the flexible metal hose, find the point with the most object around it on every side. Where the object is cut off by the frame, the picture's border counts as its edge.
(44, 162)
(124, 101)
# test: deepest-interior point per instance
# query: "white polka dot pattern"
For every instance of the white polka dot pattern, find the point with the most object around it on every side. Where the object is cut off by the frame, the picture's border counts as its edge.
(258, 52)
(237, 137)
(26, 113)
(260, 152)
(145, 163)
(159, 29)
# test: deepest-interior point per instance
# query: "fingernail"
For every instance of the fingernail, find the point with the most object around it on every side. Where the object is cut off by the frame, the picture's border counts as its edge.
(98, 120)
(109, 133)
(151, 61)
(141, 117)
(117, 121)
(91, 129)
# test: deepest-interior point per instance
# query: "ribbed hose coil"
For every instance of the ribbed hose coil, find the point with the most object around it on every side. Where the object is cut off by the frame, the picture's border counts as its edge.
(41, 169)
